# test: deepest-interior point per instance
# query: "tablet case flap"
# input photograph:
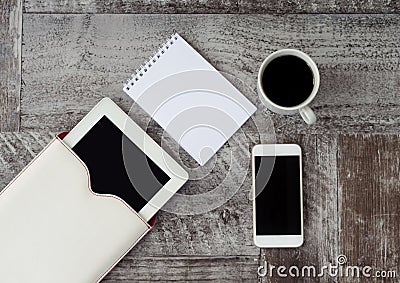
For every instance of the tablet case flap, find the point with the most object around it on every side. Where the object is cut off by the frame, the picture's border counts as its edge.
(54, 228)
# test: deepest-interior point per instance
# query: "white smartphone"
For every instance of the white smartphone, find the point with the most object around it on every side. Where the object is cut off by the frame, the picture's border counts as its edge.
(277, 195)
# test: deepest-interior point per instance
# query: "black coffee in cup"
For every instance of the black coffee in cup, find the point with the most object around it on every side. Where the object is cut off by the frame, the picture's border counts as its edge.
(287, 81)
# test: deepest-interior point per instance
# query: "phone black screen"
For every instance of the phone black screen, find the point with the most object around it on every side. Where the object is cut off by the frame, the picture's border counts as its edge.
(278, 203)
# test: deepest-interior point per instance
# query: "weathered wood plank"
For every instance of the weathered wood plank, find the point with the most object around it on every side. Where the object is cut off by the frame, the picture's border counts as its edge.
(224, 231)
(318, 6)
(71, 61)
(132, 6)
(369, 175)
(320, 209)
(184, 269)
(10, 63)
(17, 150)
(210, 6)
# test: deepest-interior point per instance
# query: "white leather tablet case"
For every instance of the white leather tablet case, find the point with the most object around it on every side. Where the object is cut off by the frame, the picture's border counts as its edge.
(54, 228)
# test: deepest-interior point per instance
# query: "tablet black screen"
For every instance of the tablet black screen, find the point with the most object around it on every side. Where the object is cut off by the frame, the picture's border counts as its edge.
(117, 166)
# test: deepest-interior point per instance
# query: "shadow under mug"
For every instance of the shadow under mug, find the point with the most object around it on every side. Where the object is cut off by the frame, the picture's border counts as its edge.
(303, 109)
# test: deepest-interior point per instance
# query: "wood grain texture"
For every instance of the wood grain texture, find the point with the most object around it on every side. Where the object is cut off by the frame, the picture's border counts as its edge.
(369, 175)
(318, 6)
(184, 269)
(320, 209)
(71, 61)
(17, 150)
(132, 6)
(210, 6)
(10, 63)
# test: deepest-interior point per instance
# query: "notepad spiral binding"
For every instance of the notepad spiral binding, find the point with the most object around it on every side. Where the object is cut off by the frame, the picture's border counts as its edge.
(135, 77)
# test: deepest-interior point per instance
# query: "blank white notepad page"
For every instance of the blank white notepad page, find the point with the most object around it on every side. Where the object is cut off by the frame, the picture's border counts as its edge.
(189, 99)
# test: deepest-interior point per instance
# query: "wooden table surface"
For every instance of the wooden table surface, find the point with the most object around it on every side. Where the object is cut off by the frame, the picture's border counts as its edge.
(58, 58)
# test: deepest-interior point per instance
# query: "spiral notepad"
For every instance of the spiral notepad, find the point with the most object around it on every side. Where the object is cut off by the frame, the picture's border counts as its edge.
(189, 98)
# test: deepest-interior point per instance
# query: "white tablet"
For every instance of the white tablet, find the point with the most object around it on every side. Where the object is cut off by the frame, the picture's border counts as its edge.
(124, 161)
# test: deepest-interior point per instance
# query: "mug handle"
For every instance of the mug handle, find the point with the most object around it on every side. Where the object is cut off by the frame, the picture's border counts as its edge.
(308, 115)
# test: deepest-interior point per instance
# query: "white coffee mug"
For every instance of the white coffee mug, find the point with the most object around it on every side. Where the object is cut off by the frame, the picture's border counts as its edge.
(305, 111)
